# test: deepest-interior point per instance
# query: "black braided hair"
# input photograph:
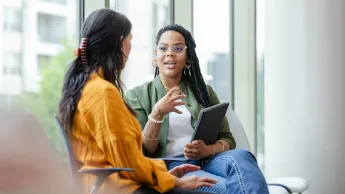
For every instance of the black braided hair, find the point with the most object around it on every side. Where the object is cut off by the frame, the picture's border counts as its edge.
(196, 80)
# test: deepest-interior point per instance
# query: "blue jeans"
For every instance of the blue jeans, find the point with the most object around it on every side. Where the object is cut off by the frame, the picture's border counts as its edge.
(236, 172)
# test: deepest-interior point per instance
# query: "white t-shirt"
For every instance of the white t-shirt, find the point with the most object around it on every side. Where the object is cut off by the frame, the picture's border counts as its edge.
(180, 131)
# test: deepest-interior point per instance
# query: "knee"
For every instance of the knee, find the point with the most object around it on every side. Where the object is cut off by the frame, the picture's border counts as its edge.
(240, 154)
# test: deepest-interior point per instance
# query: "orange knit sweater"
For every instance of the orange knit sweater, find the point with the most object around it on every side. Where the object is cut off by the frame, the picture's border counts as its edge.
(106, 134)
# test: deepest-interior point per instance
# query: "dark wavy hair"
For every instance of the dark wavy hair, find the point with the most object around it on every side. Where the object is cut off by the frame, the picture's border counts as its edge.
(105, 30)
(196, 80)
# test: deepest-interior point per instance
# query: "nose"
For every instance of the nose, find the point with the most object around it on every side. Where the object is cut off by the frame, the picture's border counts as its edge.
(169, 53)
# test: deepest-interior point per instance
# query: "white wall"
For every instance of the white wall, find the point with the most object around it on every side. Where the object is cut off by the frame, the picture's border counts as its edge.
(305, 93)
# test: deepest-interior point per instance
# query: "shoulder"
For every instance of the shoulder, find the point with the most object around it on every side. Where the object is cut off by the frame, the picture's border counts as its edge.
(210, 90)
(98, 88)
(212, 94)
(141, 90)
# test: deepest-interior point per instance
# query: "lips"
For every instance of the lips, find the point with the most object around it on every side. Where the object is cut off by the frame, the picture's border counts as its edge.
(170, 64)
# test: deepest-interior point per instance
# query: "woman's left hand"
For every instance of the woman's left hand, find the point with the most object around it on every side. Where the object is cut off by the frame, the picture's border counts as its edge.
(196, 150)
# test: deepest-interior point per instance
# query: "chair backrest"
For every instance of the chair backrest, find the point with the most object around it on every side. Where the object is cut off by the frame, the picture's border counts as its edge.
(237, 130)
(73, 164)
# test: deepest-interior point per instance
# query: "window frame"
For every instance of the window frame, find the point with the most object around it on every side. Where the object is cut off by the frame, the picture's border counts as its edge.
(242, 49)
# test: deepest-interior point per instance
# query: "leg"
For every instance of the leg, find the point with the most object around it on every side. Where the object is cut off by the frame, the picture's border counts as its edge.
(218, 188)
(239, 167)
(171, 165)
(184, 191)
(148, 190)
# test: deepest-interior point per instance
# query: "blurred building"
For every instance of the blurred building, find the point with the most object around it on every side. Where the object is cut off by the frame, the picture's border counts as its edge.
(31, 33)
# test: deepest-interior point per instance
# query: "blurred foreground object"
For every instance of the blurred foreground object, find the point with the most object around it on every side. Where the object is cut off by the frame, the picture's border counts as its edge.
(27, 162)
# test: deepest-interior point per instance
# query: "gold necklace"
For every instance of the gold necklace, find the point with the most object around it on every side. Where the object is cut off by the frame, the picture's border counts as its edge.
(168, 89)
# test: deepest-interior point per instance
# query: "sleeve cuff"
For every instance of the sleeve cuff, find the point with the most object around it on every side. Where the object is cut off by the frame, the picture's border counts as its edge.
(166, 181)
(231, 144)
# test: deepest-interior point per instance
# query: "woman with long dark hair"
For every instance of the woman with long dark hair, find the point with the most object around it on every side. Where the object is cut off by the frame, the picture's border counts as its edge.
(102, 127)
(168, 134)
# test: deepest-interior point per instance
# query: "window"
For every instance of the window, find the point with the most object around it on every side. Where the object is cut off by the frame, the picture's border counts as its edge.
(12, 20)
(260, 74)
(12, 63)
(42, 61)
(51, 28)
(21, 86)
(212, 36)
(63, 2)
(147, 17)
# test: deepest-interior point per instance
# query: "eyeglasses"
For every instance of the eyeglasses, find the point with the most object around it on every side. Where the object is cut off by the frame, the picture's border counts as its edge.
(176, 49)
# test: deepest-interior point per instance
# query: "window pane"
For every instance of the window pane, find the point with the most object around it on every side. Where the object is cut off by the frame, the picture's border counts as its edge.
(212, 35)
(55, 1)
(147, 17)
(51, 28)
(13, 19)
(12, 63)
(260, 83)
(37, 40)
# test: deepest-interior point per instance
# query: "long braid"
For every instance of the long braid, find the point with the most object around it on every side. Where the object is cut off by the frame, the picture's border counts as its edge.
(196, 79)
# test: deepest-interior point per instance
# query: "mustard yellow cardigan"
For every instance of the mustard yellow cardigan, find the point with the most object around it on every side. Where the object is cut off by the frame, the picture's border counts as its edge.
(105, 134)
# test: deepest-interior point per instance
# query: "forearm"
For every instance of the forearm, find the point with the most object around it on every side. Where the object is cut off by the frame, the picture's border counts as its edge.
(218, 147)
(151, 134)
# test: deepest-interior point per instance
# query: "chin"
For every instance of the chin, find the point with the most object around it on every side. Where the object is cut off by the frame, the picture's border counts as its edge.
(171, 74)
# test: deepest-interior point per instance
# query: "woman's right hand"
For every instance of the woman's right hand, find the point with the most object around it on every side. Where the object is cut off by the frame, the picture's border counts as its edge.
(193, 182)
(167, 104)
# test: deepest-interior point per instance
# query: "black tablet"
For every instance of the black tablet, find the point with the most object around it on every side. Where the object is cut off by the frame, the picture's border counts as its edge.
(209, 123)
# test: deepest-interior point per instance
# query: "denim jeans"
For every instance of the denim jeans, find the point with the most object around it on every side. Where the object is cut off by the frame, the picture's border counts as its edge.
(148, 190)
(236, 172)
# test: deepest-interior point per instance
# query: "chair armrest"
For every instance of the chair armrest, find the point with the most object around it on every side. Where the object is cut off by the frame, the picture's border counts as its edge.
(104, 171)
(171, 159)
(102, 174)
(277, 189)
(294, 184)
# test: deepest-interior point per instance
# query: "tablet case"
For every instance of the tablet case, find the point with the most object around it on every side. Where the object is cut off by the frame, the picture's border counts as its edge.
(209, 123)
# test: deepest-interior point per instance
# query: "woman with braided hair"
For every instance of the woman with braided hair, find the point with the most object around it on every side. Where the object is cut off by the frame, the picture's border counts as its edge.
(168, 107)
(102, 127)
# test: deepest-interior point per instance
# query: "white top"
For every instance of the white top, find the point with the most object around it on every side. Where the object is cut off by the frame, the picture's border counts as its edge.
(180, 131)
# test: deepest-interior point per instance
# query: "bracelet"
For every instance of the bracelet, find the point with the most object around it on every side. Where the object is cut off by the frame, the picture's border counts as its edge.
(148, 138)
(154, 120)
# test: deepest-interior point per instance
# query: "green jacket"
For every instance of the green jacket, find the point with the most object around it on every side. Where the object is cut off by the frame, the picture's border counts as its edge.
(143, 98)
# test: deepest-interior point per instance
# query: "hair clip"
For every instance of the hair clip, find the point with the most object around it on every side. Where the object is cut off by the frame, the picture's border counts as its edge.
(81, 50)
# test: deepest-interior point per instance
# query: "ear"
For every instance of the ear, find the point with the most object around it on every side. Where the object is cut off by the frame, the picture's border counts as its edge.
(155, 52)
(121, 38)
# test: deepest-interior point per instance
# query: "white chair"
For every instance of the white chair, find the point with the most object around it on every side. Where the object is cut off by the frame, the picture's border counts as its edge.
(282, 185)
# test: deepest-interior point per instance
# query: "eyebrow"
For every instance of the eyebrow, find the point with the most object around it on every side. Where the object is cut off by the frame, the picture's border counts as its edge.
(180, 43)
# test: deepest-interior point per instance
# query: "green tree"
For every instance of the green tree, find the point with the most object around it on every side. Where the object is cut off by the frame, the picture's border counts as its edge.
(44, 103)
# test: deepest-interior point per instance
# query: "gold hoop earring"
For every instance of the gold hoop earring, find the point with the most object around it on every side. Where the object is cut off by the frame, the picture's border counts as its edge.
(154, 63)
(188, 64)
